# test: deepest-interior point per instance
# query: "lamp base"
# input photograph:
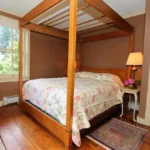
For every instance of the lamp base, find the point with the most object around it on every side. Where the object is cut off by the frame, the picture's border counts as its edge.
(134, 69)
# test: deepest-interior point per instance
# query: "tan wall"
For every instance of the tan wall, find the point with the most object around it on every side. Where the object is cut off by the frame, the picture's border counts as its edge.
(48, 56)
(48, 59)
(144, 99)
(8, 89)
(113, 53)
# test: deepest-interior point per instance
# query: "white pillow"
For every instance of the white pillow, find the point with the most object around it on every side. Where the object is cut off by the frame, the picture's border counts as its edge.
(106, 77)
(109, 77)
(85, 74)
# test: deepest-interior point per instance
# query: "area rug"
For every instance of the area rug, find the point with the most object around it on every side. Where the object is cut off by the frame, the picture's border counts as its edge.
(119, 135)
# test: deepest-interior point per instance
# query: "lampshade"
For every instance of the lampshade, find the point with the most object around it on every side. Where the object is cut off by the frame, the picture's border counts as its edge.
(135, 58)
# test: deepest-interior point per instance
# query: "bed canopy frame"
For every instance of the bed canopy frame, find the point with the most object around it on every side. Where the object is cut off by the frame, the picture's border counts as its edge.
(45, 18)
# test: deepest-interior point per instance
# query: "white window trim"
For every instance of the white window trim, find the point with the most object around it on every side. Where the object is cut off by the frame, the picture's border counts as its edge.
(26, 76)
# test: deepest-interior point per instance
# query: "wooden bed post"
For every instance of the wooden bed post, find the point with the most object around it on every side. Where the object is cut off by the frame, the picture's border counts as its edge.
(71, 67)
(20, 64)
(130, 51)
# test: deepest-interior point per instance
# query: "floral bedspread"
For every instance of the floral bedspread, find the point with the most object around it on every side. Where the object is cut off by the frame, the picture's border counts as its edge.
(92, 96)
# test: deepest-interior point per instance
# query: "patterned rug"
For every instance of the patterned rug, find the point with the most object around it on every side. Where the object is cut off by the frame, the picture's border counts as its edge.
(118, 135)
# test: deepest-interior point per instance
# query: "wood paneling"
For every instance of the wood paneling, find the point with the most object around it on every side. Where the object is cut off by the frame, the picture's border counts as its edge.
(39, 9)
(110, 13)
(47, 30)
(104, 36)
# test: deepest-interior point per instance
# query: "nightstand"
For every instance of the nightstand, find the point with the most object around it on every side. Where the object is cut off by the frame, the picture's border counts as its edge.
(135, 93)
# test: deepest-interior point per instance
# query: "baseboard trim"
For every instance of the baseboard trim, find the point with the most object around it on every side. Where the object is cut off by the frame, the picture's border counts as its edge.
(143, 121)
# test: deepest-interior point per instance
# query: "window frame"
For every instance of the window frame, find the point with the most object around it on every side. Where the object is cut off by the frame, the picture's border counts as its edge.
(26, 65)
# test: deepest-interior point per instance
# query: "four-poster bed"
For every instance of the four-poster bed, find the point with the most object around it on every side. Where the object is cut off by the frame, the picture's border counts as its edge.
(41, 19)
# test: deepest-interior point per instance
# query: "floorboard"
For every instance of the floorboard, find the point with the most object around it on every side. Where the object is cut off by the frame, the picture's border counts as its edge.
(8, 138)
(19, 131)
(2, 147)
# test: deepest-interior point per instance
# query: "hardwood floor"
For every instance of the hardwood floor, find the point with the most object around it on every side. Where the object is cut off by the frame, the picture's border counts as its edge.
(18, 131)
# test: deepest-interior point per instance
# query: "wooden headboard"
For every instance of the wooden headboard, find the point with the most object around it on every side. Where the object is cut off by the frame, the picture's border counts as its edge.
(122, 73)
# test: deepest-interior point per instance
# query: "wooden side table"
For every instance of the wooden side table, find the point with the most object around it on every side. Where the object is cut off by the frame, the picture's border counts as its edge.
(135, 93)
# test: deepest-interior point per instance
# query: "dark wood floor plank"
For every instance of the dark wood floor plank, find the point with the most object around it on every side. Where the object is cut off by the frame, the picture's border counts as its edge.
(9, 140)
(2, 147)
(19, 135)
(25, 132)
(35, 133)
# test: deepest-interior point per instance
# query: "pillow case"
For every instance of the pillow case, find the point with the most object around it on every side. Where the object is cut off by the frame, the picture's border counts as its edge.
(85, 74)
(109, 77)
(106, 77)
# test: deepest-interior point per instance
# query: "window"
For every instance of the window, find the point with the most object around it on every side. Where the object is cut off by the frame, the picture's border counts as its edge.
(9, 47)
(9, 54)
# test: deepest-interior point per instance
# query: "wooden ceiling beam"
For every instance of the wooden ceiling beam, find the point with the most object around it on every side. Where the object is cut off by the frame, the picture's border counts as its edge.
(85, 22)
(48, 20)
(110, 13)
(64, 21)
(100, 29)
(90, 26)
(47, 30)
(97, 28)
(39, 9)
(9, 15)
(104, 36)
(82, 8)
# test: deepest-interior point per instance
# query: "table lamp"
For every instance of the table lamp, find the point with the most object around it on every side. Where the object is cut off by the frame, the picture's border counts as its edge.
(135, 59)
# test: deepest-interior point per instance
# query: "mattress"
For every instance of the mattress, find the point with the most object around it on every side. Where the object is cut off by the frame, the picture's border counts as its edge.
(92, 96)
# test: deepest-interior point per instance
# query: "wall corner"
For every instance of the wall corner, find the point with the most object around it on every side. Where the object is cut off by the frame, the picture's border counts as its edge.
(143, 121)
